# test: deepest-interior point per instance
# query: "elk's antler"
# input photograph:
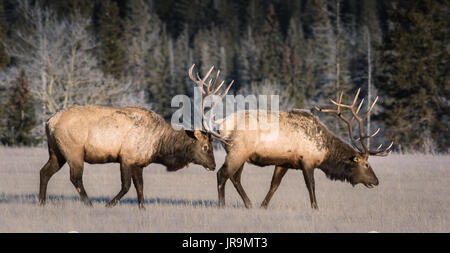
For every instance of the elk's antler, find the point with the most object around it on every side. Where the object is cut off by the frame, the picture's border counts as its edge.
(362, 136)
(208, 89)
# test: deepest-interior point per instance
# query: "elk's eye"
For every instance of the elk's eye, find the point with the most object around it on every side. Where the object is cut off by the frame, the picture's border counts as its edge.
(367, 165)
(205, 148)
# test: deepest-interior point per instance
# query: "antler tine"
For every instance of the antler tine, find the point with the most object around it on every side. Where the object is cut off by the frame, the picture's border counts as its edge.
(360, 120)
(356, 96)
(190, 72)
(382, 152)
(324, 110)
(218, 87)
(339, 104)
(222, 96)
(376, 132)
(228, 88)
(196, 81)
(369, 136)
(371, 107)
(199, 81)
(206, 77)
(359, 107)
(215, 81)
(390, 146)
(346, 120)
(210, 90)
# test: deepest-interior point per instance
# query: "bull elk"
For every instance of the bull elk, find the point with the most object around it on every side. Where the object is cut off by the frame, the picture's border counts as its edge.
(303, 143)
(131, 136)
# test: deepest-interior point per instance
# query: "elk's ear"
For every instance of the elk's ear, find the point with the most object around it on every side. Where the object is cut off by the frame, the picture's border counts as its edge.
(355, 159)
(190, 133)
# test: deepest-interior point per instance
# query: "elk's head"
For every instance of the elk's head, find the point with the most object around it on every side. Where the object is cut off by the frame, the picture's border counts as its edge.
(202, 147)
(353, 165)
(359, 170)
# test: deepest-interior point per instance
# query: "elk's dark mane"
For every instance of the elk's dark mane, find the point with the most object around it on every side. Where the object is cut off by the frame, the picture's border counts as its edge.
(339, 153)
(337, 149)
(174, 148)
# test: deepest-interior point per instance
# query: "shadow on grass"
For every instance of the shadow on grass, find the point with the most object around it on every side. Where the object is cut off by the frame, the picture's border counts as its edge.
(32, 198)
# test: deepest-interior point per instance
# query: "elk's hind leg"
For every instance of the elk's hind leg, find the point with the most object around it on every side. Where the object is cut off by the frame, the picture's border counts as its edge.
(278, 174)
(76, 177)
(53, 165)
(125, 176)
(139, 185)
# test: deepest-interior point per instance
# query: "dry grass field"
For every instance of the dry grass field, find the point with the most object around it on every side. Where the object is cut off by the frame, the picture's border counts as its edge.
(413, 196)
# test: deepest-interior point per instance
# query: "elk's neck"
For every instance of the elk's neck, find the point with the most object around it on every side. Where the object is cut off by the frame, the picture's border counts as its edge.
(174, 150)
(333, 165)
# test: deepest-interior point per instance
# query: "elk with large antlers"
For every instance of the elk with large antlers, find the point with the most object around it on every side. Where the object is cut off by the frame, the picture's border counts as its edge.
(131, 136)
(302, 143)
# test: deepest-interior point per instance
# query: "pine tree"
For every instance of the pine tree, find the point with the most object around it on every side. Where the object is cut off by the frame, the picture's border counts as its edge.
(293, 62)
(320, 38)
(330, 57)
(413, 77)
(272, 43)
(68, 7)
(197, 15)
(256, 16)
(228, 17)
(110, 35)
(4, 57)
(159, 85)
(142, 37)
(4, 97)
(20, 114)
(247, 66)
(208, 51)
(182, 62)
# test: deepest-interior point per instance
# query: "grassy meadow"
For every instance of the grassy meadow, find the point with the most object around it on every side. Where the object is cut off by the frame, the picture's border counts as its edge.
(413, 196)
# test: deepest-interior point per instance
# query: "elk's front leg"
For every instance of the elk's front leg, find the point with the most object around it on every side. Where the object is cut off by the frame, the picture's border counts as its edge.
(308, 174)
(236, 179)
(233, 162)
(125, 176)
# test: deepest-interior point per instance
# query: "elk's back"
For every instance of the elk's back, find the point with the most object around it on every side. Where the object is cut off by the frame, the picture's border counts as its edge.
(289, 138)
(105, 134)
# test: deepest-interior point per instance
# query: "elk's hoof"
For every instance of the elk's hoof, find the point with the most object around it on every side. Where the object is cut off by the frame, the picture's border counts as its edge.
(110, 204)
